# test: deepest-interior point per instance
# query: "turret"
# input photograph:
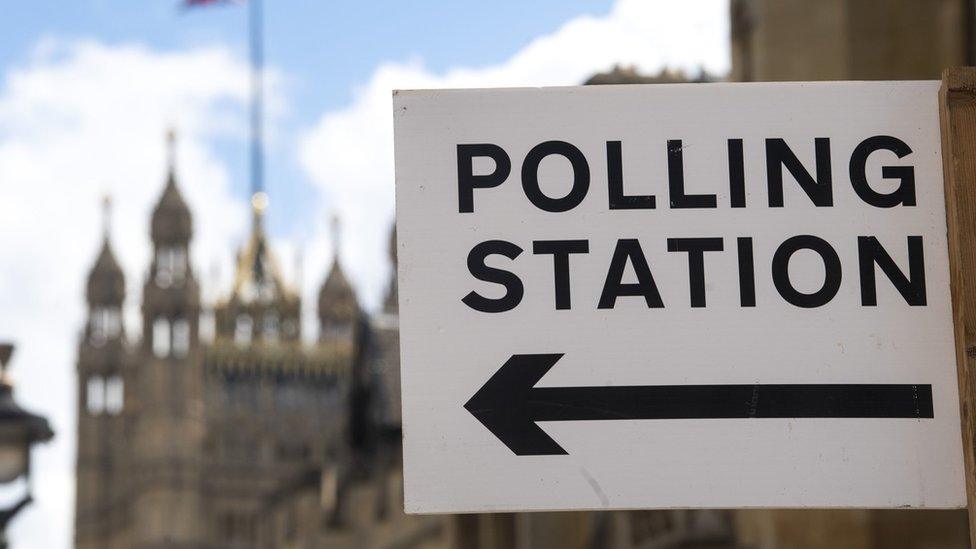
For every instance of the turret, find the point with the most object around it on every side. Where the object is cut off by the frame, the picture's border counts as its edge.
(101, 392)
(105, 293)
(338, 307)
(166, 433)
(261, 308)
(171, 297)
(102, 344)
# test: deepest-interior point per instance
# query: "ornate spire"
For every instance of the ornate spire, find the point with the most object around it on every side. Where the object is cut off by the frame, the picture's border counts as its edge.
(106, 216)
(171, 220)
(106, 283)
(337, 299)
(258, 277)
(171, 152)
(335, 229)
(259, 203)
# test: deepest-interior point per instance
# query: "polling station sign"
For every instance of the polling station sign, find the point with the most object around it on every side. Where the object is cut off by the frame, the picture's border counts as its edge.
(724, 295)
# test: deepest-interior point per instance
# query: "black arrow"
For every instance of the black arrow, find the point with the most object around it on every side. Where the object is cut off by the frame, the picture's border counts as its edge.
(509, 404)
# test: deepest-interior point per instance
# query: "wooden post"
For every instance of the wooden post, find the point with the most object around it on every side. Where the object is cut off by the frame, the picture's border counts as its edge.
(957, 111)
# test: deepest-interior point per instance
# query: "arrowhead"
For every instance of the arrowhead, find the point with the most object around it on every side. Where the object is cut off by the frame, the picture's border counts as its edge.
(502, 405)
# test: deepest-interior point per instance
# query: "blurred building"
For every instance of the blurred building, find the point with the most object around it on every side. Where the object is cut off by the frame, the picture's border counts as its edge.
(220, 428)
(630, 75)
(849, 39)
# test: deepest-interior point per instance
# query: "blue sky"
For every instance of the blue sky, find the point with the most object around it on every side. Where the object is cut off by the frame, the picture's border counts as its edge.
(88, 89)
(326, 49)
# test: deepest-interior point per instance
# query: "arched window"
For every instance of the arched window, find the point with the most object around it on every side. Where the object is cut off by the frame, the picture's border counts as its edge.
(270, 329)
(161, 337)
(338, 331)
(95, 395)
(243, 330)
(290, 328)
(170, 266)
(114, 395)
(105, 324)
(181, 338)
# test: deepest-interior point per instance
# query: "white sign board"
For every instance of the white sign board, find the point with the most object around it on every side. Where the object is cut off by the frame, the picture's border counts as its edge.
(728, 295)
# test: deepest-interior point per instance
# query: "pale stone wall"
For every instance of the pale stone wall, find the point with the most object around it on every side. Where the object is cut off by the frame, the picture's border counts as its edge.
(777, 40)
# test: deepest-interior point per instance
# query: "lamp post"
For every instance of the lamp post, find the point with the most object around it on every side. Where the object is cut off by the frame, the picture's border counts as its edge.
(19, 430)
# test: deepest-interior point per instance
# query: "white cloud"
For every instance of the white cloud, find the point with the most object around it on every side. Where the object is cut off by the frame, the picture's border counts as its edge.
(80, 119)
(77, 120)
(349, 152)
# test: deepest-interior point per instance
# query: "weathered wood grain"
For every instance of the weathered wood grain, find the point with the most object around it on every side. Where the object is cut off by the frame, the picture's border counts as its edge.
(957, 111)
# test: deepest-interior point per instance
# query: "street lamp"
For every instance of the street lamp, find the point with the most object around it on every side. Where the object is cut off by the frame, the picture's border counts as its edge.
(19, 429)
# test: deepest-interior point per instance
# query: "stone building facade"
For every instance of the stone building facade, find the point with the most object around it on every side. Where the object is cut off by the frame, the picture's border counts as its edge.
(849, 39)
(219, 427)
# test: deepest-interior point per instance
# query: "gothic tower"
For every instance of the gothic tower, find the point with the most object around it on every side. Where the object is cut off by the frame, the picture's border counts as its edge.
(339, 316)
(168, 426)
(261, 308)
(384, 351)
(274, 406)
(338, 307)
(101, 372)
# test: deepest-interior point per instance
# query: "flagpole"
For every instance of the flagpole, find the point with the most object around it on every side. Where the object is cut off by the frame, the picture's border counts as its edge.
(257, 96)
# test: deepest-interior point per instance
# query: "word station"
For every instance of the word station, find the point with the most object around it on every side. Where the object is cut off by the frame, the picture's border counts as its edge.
(818, 186)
